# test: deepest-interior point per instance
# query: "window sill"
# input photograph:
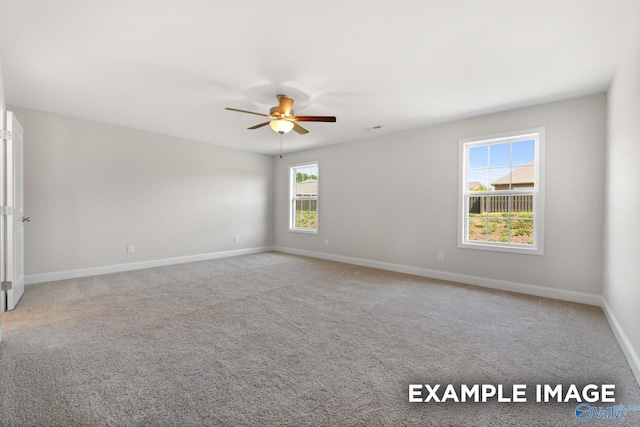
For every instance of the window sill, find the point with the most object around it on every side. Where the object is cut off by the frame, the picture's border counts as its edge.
(303, 231)
(497, 247)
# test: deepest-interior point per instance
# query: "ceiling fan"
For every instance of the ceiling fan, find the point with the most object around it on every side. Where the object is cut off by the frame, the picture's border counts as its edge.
(282, 119)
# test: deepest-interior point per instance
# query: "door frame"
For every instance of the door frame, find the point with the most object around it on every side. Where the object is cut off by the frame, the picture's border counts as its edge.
(3, 219)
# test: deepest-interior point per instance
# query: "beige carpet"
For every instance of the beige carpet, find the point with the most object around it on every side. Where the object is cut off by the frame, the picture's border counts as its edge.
(274, 339)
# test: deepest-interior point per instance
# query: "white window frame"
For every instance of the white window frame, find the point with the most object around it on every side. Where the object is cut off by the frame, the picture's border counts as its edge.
(537, 248)
(293, 198)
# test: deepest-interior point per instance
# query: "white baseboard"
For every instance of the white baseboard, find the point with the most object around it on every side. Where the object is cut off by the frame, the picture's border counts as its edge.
(107, 269)
(627, 348)
(522, 288)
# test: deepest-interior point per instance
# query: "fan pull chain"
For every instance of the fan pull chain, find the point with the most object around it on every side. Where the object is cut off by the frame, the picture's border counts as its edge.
(281, 133)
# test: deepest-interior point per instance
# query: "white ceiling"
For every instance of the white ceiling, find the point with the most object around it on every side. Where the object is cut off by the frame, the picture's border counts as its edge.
(172, 66)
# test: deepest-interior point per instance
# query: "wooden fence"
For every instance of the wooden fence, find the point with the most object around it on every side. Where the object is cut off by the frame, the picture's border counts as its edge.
(306, 205)
(482, 204)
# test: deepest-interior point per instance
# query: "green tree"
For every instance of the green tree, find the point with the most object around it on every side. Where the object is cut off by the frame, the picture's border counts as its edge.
(303, 177)
(479, 188)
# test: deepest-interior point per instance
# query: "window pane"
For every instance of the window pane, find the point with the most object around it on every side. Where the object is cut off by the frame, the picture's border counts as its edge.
(498, 206)
(479, 157)
(523, 152)
(498, 230)
(522, 204)
(306, 214)
(522, 220)
(523, 176)
(306, 174)
(307, 188)
(500, 155)
(477, 229)
(522, 231)
(478, 180)
(500, 178)
(477, 206)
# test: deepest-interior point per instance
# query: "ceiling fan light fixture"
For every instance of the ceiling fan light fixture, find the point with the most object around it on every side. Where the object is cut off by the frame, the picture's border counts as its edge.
(282, 119)
(281, 125)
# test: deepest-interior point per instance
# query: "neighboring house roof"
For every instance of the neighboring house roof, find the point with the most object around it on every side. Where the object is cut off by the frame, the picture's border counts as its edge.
(308, 187)
(523, 175)
(474, 184)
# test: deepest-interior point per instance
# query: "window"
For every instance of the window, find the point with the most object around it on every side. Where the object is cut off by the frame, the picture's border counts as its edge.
(501, 193)
(303, 212)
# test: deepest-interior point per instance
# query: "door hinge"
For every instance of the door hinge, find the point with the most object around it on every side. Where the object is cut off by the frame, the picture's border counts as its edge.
(5, 286)
(5, 210)
(5, 134)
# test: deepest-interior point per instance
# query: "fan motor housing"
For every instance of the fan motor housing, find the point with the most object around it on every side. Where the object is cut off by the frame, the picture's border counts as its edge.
(274, 111)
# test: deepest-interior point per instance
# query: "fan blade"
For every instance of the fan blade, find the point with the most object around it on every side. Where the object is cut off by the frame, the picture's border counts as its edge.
(285, 105)
(248, 112)
(260, 125)
(299, 129)
(314, 118)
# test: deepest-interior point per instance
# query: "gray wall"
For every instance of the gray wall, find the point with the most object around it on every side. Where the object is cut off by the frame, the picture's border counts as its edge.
(91, 189)
(622, 227)
(2, 119)
(393, 198)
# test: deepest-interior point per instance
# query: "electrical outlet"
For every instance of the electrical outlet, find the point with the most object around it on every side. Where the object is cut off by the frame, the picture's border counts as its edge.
(130, 249)
(237, 239)
(326, 242)
(440, 256)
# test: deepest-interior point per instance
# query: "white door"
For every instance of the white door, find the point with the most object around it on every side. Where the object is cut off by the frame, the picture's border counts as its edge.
(15, 222)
